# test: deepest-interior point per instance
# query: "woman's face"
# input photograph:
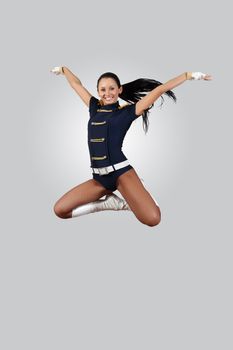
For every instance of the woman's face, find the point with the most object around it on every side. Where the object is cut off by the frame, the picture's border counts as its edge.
(108, 90)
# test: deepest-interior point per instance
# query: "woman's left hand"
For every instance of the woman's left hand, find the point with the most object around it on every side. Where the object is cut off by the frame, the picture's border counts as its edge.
(198, 76)
(207, 77)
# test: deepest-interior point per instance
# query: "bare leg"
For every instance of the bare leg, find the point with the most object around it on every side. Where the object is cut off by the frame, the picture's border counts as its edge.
(138, 198)
(84, 193)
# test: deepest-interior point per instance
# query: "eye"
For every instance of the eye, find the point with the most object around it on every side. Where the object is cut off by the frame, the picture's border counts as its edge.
(103, 89)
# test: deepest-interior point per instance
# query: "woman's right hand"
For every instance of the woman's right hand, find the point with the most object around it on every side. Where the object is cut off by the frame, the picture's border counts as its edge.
(57, 70)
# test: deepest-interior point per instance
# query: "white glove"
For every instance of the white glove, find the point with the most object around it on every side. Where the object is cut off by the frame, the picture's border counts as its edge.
(197, 76)
(57, 70)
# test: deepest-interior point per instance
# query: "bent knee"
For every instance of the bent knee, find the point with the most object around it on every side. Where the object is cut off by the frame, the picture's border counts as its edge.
(154, 219)
(60, 212)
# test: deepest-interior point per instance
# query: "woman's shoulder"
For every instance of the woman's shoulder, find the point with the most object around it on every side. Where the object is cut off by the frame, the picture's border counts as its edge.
(124, 105)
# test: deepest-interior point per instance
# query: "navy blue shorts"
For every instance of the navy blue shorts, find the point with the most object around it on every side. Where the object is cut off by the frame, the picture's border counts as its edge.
(109, 181)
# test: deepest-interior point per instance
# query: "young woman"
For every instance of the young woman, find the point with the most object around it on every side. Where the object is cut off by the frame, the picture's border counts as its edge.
(107, 127)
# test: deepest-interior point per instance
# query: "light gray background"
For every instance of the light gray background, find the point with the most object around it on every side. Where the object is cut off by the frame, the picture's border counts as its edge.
(105, 280)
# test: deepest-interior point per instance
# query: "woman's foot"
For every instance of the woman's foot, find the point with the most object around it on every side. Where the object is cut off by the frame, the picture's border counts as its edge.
(113, 202)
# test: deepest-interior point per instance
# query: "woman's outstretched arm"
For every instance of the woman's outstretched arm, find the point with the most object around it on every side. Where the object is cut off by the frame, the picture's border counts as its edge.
(153, 95)
(74, 82)
(71, 78)
(171, 84)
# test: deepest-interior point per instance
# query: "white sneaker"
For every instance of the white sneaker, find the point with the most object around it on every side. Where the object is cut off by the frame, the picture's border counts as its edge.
(113, 202)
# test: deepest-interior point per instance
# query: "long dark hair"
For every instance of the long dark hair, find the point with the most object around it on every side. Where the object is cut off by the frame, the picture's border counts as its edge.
(133, 92)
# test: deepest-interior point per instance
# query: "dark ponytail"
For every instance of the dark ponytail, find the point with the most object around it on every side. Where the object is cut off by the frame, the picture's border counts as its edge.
(133, 92)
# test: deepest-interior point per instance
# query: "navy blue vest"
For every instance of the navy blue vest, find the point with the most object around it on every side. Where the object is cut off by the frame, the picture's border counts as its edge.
(107, 127)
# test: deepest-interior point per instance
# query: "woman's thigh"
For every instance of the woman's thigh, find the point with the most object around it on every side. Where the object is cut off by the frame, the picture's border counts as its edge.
(139, 199)
(86, 192)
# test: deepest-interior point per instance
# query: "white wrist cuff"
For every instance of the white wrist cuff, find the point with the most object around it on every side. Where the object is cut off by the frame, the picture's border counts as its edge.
(197, 75)
(57, 70)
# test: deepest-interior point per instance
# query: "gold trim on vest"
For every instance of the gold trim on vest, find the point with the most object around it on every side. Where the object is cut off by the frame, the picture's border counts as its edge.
(104, 110)
(98, 140)
(99, 158)
(98, 123)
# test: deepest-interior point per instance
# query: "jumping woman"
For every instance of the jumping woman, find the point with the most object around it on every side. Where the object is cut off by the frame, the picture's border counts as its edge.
(107, 126)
